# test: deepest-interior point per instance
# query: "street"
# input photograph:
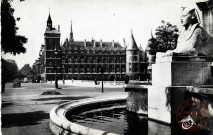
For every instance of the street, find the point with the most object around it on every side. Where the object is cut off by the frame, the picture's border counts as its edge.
(25, 111)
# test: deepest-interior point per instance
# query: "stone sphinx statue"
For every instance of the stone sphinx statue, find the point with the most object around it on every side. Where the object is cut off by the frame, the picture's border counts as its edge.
(193, 40)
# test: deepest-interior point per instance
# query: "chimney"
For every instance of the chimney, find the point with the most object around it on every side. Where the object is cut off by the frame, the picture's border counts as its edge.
(59, 28)
(113, 43)
(124, 42)
(85, 43)
(101, 43)
(94, 43)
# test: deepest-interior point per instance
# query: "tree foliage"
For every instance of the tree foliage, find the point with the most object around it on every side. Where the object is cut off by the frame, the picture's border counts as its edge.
(26, 71)
(10, 69)
(11, 42)
(166, 37)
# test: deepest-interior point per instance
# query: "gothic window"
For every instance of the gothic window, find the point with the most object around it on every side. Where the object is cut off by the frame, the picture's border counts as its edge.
(87, 69)
(82, 60)
(117, 69)
(88, 60)
(136, 67)
(105, 69)
(111, 69)
(50, 70)
(69, 49)
(104, 60)
(134, 58)
(82, 70)
(75, 70)
(82, 50)
(76, 49)
(99, 69)
(94, 61)
(69, 61)
(63, 61)
(93, 69)
(116, 61)
(123, 69)
(50, 63)
(69, 69)
(75, 60)
(98, 60)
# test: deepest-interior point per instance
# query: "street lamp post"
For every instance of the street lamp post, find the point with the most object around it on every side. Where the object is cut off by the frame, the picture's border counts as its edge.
(102, 72)
(56, 76)
(63, 73)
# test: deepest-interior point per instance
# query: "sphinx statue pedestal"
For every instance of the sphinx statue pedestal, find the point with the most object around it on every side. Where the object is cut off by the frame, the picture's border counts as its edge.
(176, 79)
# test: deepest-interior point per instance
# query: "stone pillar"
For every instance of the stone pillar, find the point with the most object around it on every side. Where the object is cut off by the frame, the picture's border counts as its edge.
(176, 79)
(137, 100)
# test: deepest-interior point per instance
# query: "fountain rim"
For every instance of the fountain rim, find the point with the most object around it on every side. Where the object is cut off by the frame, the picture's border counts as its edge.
(59, 124)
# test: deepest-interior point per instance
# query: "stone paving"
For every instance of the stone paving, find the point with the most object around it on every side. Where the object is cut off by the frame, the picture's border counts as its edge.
(26, 112)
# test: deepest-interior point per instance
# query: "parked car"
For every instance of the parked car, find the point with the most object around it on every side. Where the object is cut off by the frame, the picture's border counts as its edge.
(25, 80)
(17, 82)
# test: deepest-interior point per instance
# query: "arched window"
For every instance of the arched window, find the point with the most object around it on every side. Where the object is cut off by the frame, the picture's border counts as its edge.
(75, 60)
(82, 60)
(69, 60)
(93, 69)
(87, 69)
(75, 70)
(81, 69)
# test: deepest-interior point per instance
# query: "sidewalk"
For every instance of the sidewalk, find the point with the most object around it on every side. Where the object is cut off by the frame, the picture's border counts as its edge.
(29, 114)
(86, 83)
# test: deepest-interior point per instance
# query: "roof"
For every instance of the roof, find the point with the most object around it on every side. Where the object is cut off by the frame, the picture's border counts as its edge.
(52, 31)
(49, 18)
(90, 44)
(132, 44)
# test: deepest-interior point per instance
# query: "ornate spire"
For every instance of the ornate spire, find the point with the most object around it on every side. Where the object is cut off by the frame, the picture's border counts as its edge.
(49, 22)
(71, 34)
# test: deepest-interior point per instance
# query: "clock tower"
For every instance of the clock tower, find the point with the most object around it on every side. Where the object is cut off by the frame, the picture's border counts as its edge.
(52, 50)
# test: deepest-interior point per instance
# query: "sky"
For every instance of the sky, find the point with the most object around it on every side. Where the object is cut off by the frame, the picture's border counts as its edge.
(98, 19)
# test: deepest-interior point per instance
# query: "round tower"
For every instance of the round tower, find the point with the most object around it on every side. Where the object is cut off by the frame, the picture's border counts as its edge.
(132, 59)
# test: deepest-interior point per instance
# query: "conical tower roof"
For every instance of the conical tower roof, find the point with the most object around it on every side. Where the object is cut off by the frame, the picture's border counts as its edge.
(49, 18)
(132, 44)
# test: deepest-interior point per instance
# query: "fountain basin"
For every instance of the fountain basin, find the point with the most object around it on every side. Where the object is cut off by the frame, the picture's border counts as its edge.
(60, 125)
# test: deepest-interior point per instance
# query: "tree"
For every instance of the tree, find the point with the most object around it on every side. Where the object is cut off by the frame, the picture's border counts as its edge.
(10, 41)
(166, 37)
(26, 71)
(10, 70)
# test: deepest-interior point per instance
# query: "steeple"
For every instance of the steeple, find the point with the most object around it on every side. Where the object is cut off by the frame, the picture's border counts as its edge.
(71, 34)
(49, 22)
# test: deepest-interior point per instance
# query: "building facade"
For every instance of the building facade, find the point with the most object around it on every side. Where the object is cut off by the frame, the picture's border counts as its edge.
(82, 60)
